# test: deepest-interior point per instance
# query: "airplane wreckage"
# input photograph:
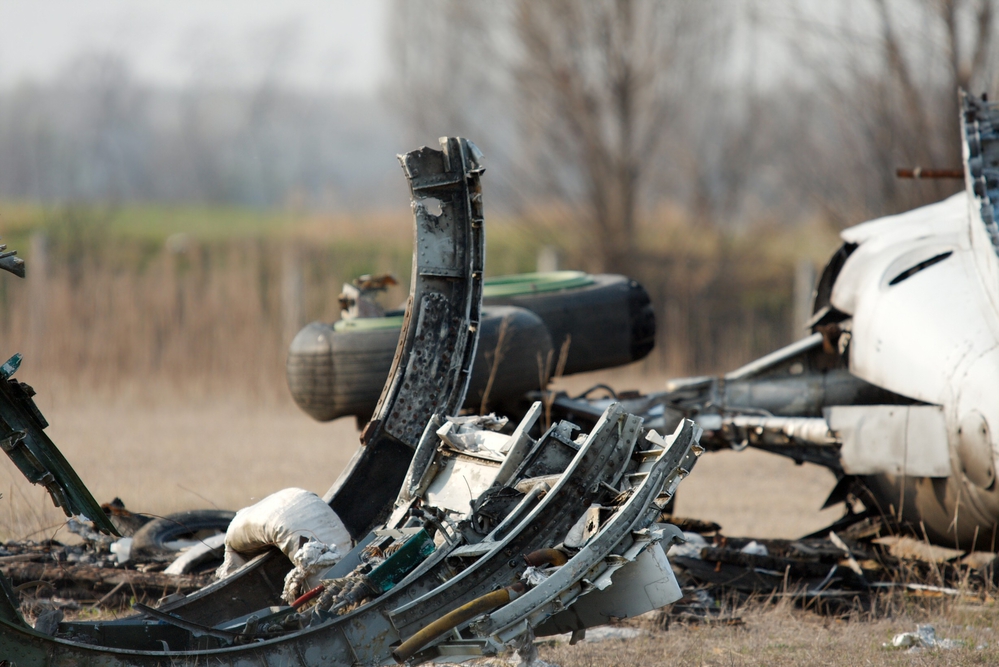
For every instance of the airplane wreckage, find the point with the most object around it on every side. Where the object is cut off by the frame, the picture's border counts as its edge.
(449, 537)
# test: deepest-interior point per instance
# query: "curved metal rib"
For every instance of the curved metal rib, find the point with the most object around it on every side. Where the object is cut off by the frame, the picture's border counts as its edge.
(561, 588)
(429, 373)
(599, 460)
(439, 332)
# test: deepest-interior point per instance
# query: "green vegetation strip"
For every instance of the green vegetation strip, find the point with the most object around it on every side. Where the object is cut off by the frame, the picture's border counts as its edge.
(499, 286)
(530, 283)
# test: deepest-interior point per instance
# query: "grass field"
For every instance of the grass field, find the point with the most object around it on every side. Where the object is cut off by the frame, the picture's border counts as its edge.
(780, 635)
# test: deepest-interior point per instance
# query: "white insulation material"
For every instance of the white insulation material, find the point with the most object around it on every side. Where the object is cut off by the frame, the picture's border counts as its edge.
(282, 519)
(310, 561)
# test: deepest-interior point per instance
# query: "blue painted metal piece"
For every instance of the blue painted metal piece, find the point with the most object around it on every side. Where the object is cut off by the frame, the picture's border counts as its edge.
(10, 366)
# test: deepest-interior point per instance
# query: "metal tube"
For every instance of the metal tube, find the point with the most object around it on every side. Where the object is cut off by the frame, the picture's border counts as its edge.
(306, 597)
(453, 619)
(811, 430)
(546, 557)
(919, 172)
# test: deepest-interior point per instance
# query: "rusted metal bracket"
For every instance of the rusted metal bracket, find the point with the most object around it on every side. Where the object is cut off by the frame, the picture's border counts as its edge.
(919, 172)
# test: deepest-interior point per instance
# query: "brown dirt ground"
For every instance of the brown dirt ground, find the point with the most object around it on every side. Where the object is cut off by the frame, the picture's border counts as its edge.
(178, 454)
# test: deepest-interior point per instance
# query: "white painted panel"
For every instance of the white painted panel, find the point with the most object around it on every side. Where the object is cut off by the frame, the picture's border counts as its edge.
(645, 584)
(913, 336)
(873, 437)
(927, 454)
(893, 439)
(460, 480)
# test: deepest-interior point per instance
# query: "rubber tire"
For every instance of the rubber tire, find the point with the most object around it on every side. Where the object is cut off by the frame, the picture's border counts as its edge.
(149, 542)
(517, 373)
(336, 373)
(609, 322)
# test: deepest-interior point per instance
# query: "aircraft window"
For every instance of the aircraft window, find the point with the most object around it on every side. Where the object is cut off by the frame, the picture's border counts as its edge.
(925, 264)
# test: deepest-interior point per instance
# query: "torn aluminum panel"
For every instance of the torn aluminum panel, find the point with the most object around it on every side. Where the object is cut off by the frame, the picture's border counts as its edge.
(405, 591)
(640, 586)
(909, 439)
(620, 541)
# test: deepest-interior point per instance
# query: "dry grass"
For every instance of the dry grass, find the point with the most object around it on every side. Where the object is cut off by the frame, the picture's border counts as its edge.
(782, 635)
(164, 448)
(215, 295)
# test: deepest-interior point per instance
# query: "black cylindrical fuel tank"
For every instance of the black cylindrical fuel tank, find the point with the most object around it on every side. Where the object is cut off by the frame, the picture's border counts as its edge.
(608, 319)
(337, 370)
(333, 372)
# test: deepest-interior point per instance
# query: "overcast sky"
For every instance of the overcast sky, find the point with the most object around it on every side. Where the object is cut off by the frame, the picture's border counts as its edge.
(321, 44)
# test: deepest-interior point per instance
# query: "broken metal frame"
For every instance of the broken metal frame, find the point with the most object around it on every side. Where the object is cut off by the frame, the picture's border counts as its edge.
(430, 373)
(617, 466)
(892, 389)
(23, 439)
(776, 403)
(614, 466)
(610, 549)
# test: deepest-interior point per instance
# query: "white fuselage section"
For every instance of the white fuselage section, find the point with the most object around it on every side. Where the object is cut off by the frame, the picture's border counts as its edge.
(929, 333)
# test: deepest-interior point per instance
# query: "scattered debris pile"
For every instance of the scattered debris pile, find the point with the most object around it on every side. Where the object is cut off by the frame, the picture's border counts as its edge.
(833, 571)
(925, 637)
(102, 571)
(71, 576)
(455, 537)
(829, 574)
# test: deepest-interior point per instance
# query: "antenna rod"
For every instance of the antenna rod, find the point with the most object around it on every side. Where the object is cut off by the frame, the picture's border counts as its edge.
(919, 172)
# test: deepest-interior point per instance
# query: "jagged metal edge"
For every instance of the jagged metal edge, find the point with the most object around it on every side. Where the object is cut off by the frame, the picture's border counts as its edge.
(980, 125)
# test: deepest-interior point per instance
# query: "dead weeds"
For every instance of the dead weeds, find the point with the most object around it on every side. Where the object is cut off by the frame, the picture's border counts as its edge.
(777, 632)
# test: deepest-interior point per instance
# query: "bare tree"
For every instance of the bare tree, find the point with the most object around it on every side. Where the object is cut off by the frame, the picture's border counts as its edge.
(601, 84)
(887, 75)
(447, 68)
(593, 87)
(451, 75)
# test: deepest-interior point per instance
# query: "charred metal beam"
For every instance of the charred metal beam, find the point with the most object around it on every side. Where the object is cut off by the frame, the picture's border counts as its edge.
(437, 343)
(980, 127)
(430, 370)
